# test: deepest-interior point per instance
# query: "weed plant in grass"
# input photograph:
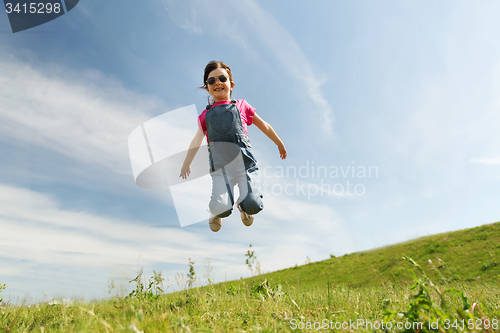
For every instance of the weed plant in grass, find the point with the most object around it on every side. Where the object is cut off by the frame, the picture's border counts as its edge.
(270, 307)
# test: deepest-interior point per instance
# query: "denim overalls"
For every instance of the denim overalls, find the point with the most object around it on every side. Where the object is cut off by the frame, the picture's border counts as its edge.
(231, 162)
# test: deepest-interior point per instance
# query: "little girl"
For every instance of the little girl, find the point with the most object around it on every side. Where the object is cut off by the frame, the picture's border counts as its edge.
(224, 122)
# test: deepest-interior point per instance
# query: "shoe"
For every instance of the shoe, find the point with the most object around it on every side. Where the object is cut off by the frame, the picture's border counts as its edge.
(246, 218)
(215, 223)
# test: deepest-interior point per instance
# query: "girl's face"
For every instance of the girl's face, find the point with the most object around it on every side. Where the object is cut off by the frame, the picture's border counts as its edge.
(220, 91)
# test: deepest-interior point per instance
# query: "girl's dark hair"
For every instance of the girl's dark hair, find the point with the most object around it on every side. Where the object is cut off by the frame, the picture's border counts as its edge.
(212, 65)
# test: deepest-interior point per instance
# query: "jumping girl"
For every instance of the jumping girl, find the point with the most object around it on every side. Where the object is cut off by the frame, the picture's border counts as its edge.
(232, 162)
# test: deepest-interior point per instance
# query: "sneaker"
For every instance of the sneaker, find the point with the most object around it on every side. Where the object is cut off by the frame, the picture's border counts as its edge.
(215, 223)
(246, 218)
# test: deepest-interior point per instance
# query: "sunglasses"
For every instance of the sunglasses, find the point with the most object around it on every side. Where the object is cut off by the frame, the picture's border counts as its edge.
(211, 80)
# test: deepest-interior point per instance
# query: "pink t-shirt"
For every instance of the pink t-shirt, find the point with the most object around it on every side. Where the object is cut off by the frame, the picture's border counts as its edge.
(246, 112)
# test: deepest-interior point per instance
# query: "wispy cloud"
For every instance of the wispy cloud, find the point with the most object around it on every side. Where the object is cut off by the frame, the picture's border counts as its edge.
(485, 160)
(39, 236)
(250, 27)
(280, 43)
(83, 115)
(42, 241)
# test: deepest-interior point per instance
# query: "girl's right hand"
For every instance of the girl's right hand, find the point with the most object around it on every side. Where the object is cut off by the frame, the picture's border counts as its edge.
(185, 171)
(282, 150)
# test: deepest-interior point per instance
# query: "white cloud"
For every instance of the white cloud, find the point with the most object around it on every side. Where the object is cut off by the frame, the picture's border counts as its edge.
(81, 114)
(41, 241)
(485, 160)
(47, 249)
(34, 228)
(38, 236)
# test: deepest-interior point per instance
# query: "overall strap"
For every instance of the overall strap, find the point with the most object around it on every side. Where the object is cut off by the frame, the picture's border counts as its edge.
(233, 102)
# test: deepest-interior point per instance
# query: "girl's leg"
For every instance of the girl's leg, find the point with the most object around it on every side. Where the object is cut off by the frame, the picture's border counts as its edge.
(220, 203)
(250, 199)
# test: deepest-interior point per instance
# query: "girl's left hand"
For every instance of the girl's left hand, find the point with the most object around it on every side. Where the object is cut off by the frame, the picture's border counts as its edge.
(185, 171)
(282, 150)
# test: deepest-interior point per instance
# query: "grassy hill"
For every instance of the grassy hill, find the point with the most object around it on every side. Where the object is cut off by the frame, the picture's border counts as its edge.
(464, 255)
(362, 286)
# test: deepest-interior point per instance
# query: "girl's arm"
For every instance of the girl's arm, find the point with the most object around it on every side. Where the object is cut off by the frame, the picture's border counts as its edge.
(271, 134)
(193, 149)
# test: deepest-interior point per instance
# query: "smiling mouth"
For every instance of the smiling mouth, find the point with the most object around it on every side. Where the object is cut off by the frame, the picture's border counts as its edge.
(218, 89)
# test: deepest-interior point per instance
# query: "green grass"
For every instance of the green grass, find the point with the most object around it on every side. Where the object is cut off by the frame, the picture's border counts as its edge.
(371, 286)
(470, 255)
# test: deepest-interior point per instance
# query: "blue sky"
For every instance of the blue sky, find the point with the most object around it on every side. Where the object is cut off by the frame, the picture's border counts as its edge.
(408, 89)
